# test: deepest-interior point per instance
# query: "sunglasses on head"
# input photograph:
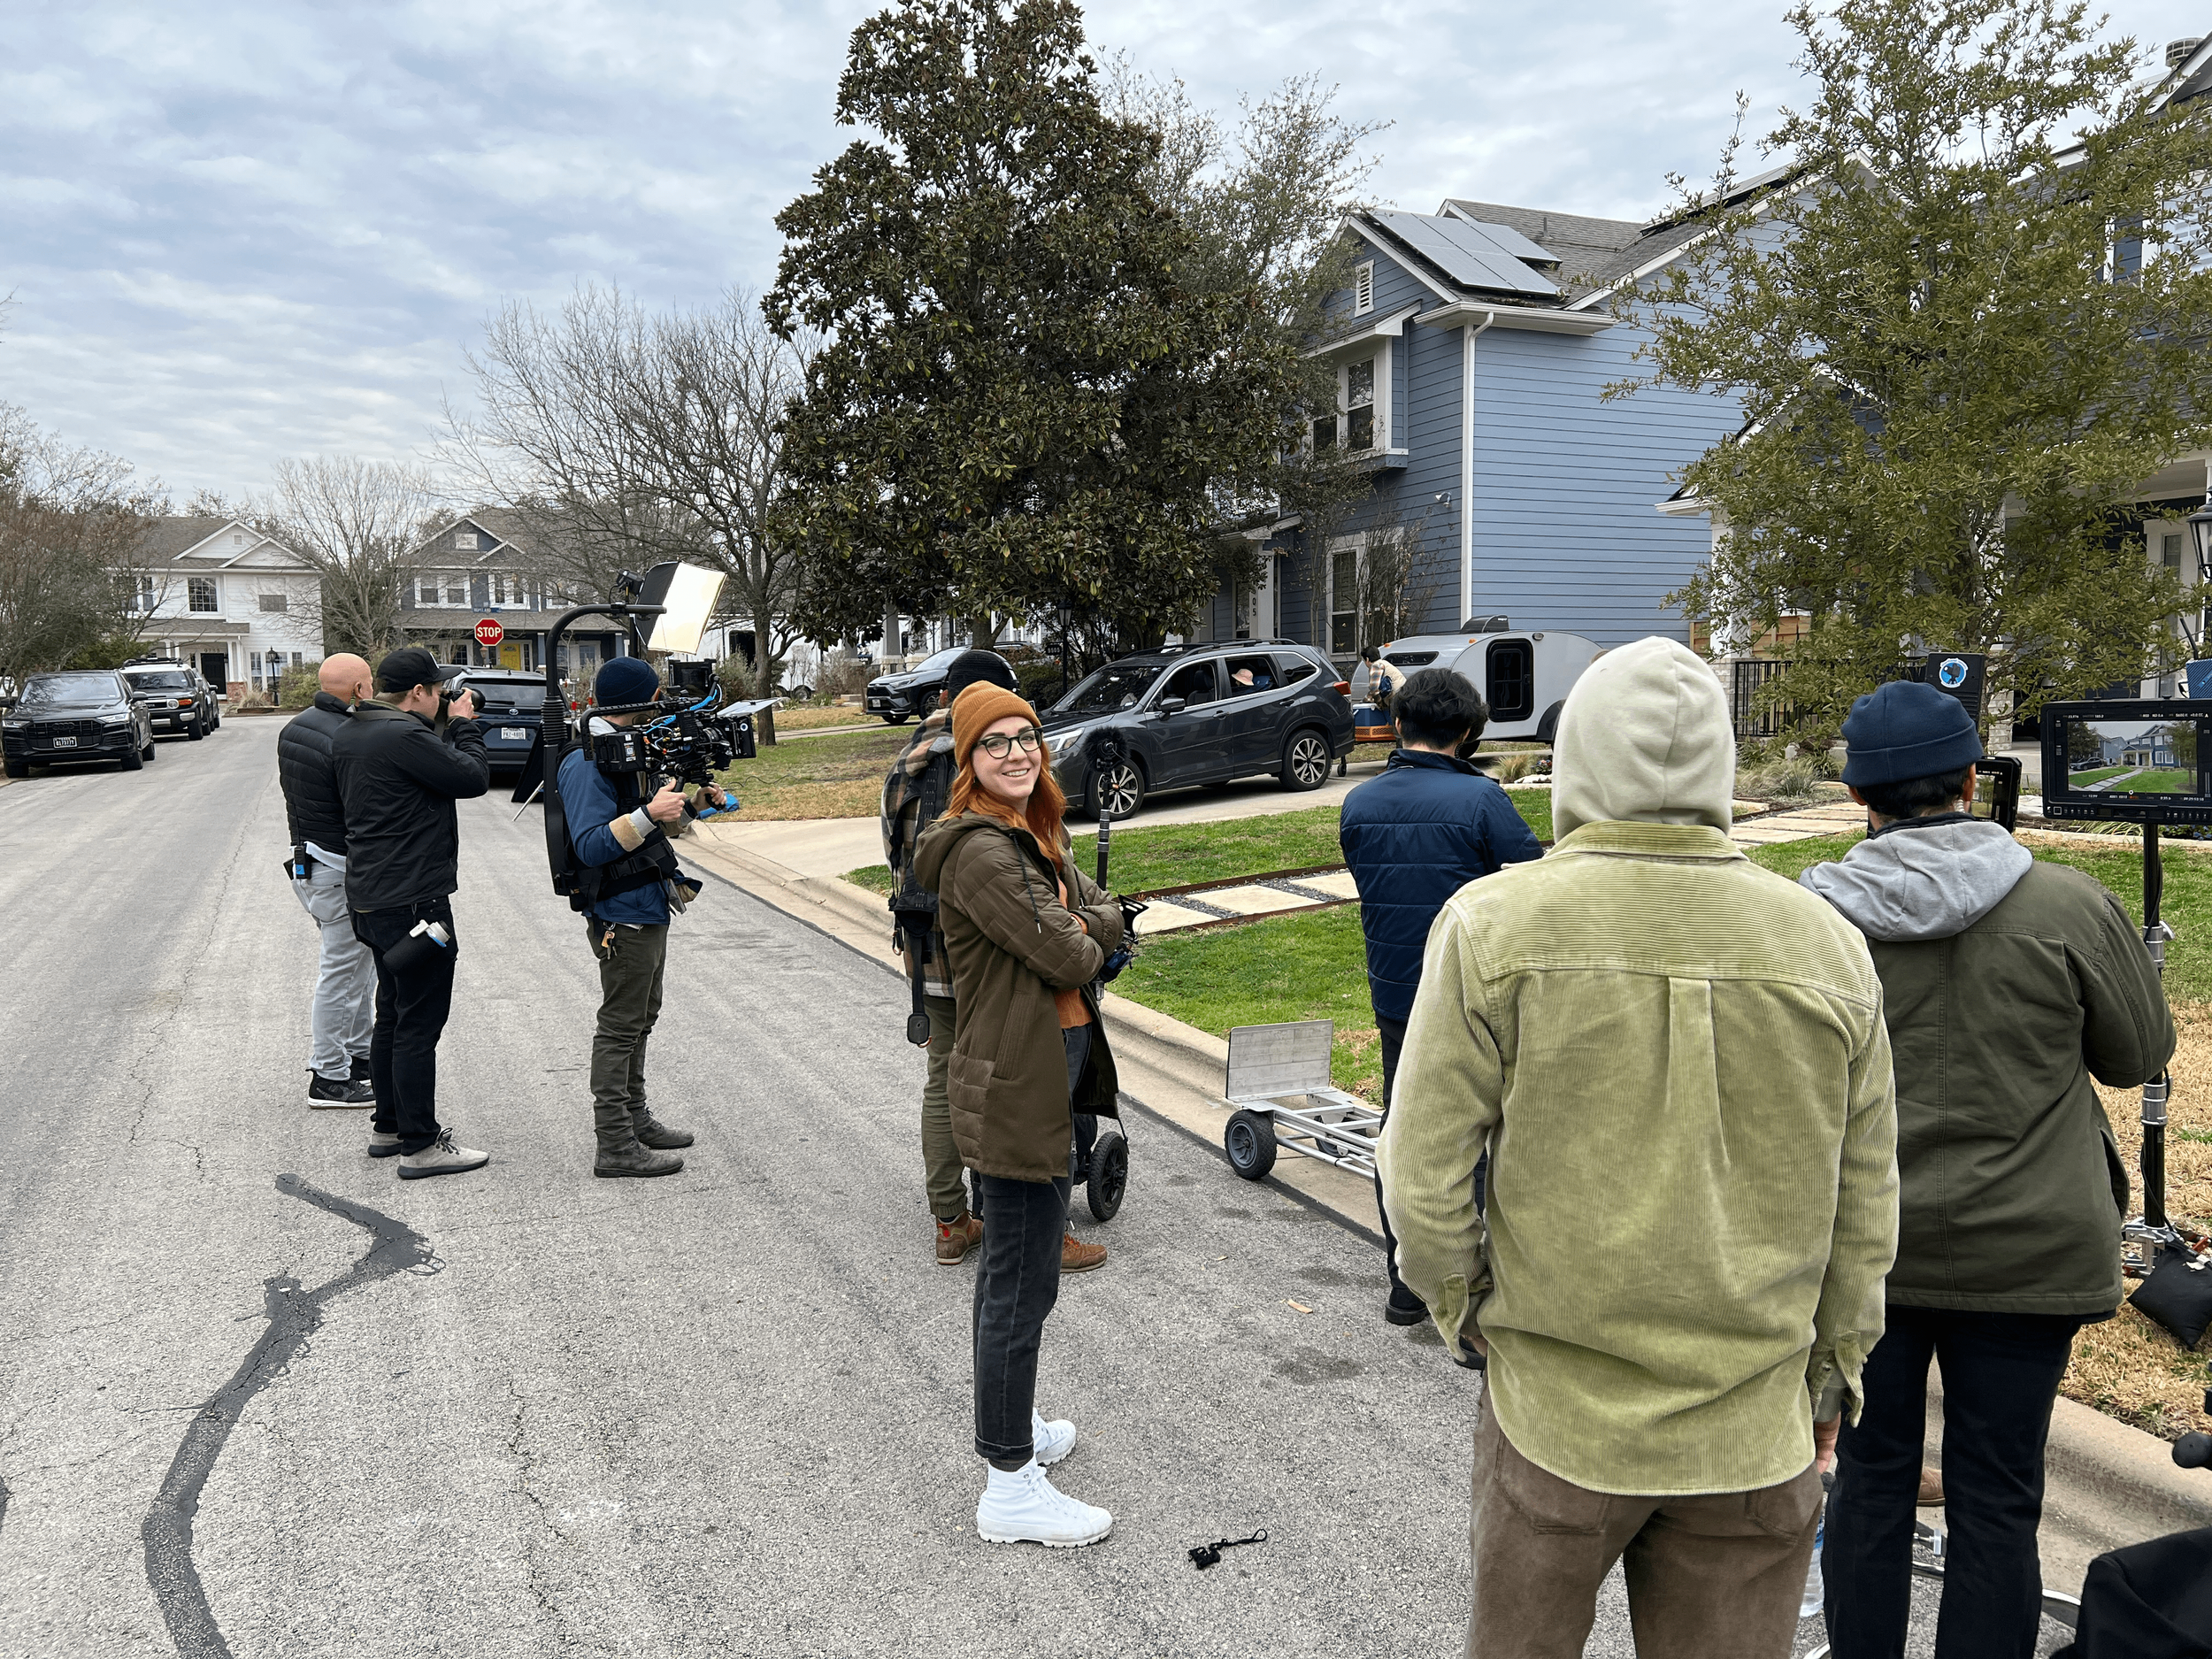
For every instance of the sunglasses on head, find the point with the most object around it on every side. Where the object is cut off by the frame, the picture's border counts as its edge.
(998, 745)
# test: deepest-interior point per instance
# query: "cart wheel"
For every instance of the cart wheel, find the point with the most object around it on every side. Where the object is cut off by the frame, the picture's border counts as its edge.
(1109, 1175)
(1250, 1141)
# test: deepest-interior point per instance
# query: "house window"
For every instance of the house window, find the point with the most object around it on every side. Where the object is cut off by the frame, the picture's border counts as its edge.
(1344, 601)
(144, 597)
(1359, 404)
(1363, 289)
(273, 602)
(457, 591)
(200, 593)
(465, 539)
(238, 538)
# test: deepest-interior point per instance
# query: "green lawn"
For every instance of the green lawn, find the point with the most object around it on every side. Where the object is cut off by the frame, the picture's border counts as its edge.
(1313, 965)
(2160, 783)
(838, 776)
(2080, 779)
(1183, 855)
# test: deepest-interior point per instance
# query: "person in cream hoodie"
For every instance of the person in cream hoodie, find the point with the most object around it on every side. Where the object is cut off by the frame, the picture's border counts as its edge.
(1678, 1063)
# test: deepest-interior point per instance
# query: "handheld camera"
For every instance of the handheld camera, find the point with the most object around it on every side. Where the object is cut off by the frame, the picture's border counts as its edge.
(687, 739)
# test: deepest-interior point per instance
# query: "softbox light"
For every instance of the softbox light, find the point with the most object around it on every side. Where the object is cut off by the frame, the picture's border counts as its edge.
(686, 595)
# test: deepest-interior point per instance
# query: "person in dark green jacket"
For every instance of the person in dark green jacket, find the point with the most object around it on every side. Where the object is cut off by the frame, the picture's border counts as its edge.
(2006, 986)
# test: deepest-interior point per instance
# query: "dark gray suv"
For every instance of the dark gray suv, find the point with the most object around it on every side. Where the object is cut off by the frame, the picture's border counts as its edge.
(1200, 714)
(73, 716)
(174, 696)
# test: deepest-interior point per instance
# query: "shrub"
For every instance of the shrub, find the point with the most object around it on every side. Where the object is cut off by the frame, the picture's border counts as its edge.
(299, 686)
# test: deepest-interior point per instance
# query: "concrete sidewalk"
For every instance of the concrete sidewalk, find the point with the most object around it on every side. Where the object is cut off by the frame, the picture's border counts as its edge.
(2107, 1483)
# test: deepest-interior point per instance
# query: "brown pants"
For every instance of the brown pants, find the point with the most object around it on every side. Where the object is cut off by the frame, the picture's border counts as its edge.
(1717, 1577)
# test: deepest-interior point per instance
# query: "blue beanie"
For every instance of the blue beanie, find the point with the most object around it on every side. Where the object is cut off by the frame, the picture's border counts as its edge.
(1906, 730)
(626, 680)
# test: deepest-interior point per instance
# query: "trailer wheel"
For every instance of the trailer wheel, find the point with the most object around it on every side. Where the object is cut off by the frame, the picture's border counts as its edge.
(1548, 728)
(1110, 1176)
(1250, 1141)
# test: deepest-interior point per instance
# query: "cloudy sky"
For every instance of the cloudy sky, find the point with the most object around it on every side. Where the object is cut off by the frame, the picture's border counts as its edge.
(244, 229)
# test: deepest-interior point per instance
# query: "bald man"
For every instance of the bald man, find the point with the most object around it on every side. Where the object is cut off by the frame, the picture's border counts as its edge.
(344, 1008)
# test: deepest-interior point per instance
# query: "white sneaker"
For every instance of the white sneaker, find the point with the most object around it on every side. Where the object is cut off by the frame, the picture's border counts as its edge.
(441, 1158)
(1026, 1508)
(1052, 1441)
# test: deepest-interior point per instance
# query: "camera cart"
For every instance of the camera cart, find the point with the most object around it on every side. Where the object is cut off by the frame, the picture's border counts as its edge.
(1279, 1090)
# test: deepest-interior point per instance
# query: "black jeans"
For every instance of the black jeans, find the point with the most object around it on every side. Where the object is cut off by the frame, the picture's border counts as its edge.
(411, 1014)
(1394, 1035)
(1016, 1286)
(2000, 1372)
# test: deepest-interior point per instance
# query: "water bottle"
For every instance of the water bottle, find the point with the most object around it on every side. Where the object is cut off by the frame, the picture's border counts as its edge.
(1814, 1591)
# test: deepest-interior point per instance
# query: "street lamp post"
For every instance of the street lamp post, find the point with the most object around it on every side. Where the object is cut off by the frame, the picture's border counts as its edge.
(2200, 523)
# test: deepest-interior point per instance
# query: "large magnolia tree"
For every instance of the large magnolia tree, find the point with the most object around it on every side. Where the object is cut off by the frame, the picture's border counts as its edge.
(1034, 395)
(1965, 325)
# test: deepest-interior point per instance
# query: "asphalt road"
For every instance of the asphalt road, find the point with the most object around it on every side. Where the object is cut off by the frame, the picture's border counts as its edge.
(725, 1413)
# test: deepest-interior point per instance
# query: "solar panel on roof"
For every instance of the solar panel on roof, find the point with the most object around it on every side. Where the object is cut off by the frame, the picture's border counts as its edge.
(1464, 254)
(1509, 241)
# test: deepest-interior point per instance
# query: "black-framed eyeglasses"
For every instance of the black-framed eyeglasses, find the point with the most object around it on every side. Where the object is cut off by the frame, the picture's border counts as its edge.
(998, 745)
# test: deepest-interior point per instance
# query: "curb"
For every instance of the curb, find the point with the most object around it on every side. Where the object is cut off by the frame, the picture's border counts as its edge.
(2106, 1484)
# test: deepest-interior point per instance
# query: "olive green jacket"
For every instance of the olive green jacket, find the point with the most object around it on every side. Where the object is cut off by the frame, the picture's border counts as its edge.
(2013, 1189)
(1677, 1064)
(1012, 944)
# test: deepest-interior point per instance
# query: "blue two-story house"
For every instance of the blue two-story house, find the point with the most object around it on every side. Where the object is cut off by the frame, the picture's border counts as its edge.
(1471, 351)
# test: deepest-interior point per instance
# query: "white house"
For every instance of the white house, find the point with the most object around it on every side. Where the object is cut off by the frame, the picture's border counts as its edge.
(237, 605)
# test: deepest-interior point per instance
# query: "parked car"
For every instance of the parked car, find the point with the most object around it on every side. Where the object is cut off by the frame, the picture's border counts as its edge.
(514, 708)
(1201, 714)
(174, 696)
(75, 714)
(899, 697)
(1524, 677)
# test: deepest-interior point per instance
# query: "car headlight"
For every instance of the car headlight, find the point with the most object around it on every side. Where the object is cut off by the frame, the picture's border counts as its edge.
(1067, 744)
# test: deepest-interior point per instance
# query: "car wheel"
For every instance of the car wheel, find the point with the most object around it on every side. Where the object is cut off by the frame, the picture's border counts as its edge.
(18, 768)
(132, 759)
(1117, 789)
(192, 729)
(1306, 760)
(149, 751)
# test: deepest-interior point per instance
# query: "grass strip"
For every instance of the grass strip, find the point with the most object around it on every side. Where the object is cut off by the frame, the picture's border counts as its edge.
(837, 776)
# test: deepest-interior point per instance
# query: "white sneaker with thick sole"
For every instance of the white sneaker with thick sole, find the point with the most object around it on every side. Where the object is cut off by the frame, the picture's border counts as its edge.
(441, 1158)
(1025, 1508)
(1051, 1442)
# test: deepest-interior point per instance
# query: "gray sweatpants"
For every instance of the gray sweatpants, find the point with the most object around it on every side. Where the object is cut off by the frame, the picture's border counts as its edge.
(345, 977)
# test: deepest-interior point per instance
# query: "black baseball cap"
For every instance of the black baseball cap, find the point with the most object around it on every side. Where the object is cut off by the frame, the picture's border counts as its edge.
(408, 667)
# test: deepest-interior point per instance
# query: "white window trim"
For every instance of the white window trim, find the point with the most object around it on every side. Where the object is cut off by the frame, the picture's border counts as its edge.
(1363, 288)
(1381, 404)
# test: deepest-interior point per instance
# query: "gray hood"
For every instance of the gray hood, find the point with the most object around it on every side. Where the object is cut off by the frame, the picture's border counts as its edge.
(1644, 738)
(1931, 883)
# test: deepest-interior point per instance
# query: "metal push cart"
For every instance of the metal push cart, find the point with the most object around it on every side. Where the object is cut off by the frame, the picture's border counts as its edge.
(1278, 1093)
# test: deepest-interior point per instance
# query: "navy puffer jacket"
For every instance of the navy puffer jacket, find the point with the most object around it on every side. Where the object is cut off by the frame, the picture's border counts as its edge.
(1413, 837)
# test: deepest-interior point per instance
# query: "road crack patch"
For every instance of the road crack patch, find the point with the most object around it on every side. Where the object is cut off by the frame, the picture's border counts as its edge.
(294, 1313)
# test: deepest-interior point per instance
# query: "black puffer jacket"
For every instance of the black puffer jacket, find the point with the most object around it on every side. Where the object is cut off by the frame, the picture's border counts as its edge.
(398, 783)
(311, 788)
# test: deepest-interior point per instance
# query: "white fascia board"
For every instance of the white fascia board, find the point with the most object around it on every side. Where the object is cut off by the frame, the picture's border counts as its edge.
(224, 528)
(1534, 320)
(1681, 507)
(1660, 261)
(1399, 254)
(1392, 325)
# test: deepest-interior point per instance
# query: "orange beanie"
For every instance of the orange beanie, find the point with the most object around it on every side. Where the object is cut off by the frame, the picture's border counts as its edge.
(978, 709)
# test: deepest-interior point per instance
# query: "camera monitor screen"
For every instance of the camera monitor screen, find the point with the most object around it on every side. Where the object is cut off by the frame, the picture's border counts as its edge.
(2128, 761)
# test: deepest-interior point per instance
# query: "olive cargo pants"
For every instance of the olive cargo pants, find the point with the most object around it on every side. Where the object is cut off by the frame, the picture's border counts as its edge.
(631, 961)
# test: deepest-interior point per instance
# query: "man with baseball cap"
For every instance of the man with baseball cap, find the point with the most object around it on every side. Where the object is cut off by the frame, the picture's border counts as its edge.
(402, 761)
(618, 829)
(2006, 986)
(914, 793)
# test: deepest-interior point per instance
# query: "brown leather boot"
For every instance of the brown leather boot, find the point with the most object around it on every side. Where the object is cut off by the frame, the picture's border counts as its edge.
(956, 1237)
(1078, 1257)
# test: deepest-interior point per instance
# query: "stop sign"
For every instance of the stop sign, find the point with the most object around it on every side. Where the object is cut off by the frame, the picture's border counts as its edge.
(489, 631)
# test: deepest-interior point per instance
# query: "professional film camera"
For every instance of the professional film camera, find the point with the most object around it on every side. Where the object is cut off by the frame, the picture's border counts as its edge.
(684, 735)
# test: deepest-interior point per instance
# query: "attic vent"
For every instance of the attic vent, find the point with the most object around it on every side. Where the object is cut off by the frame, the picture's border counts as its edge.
(1363, 289)
(466, 540)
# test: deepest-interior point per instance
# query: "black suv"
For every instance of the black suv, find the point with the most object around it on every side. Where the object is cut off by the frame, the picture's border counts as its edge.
(899, 697)
(75, 714)
(1201, 714)
(175, 698)
(513, 709)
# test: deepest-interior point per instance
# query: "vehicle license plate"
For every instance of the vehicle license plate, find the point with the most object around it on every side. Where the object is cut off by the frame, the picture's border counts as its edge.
(515, 733)
(64, 742)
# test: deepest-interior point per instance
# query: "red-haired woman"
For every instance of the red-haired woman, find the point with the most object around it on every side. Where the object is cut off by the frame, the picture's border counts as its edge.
(1026, 934)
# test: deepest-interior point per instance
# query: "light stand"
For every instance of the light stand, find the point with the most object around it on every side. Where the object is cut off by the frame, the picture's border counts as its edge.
(2153, 1229)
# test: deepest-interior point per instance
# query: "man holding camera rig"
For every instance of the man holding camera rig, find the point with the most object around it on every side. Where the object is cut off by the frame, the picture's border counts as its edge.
(2007, 985)
(402, 761)
(618, 825)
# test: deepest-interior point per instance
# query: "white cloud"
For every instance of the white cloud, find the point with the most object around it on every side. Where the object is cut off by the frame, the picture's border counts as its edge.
(246, 229)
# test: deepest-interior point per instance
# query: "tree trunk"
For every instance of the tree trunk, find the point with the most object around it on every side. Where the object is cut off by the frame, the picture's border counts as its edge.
(983, 628)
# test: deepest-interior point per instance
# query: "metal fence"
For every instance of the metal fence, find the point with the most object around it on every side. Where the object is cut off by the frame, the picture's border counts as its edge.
(1752, 722)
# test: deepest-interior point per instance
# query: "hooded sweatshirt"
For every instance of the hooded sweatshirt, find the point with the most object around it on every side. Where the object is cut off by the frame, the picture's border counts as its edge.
(2006, 986)
(1677, 1064)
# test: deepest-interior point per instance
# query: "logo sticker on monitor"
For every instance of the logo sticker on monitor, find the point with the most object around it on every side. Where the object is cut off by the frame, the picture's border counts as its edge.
(1952, 673)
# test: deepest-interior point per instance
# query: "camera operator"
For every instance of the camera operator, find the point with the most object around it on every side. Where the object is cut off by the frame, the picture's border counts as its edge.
(343, 1012)
(618, 826)
(2006, 986)
(402, 761)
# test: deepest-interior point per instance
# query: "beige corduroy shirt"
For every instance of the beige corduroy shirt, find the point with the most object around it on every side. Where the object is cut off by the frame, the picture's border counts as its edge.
(1678, 1063)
